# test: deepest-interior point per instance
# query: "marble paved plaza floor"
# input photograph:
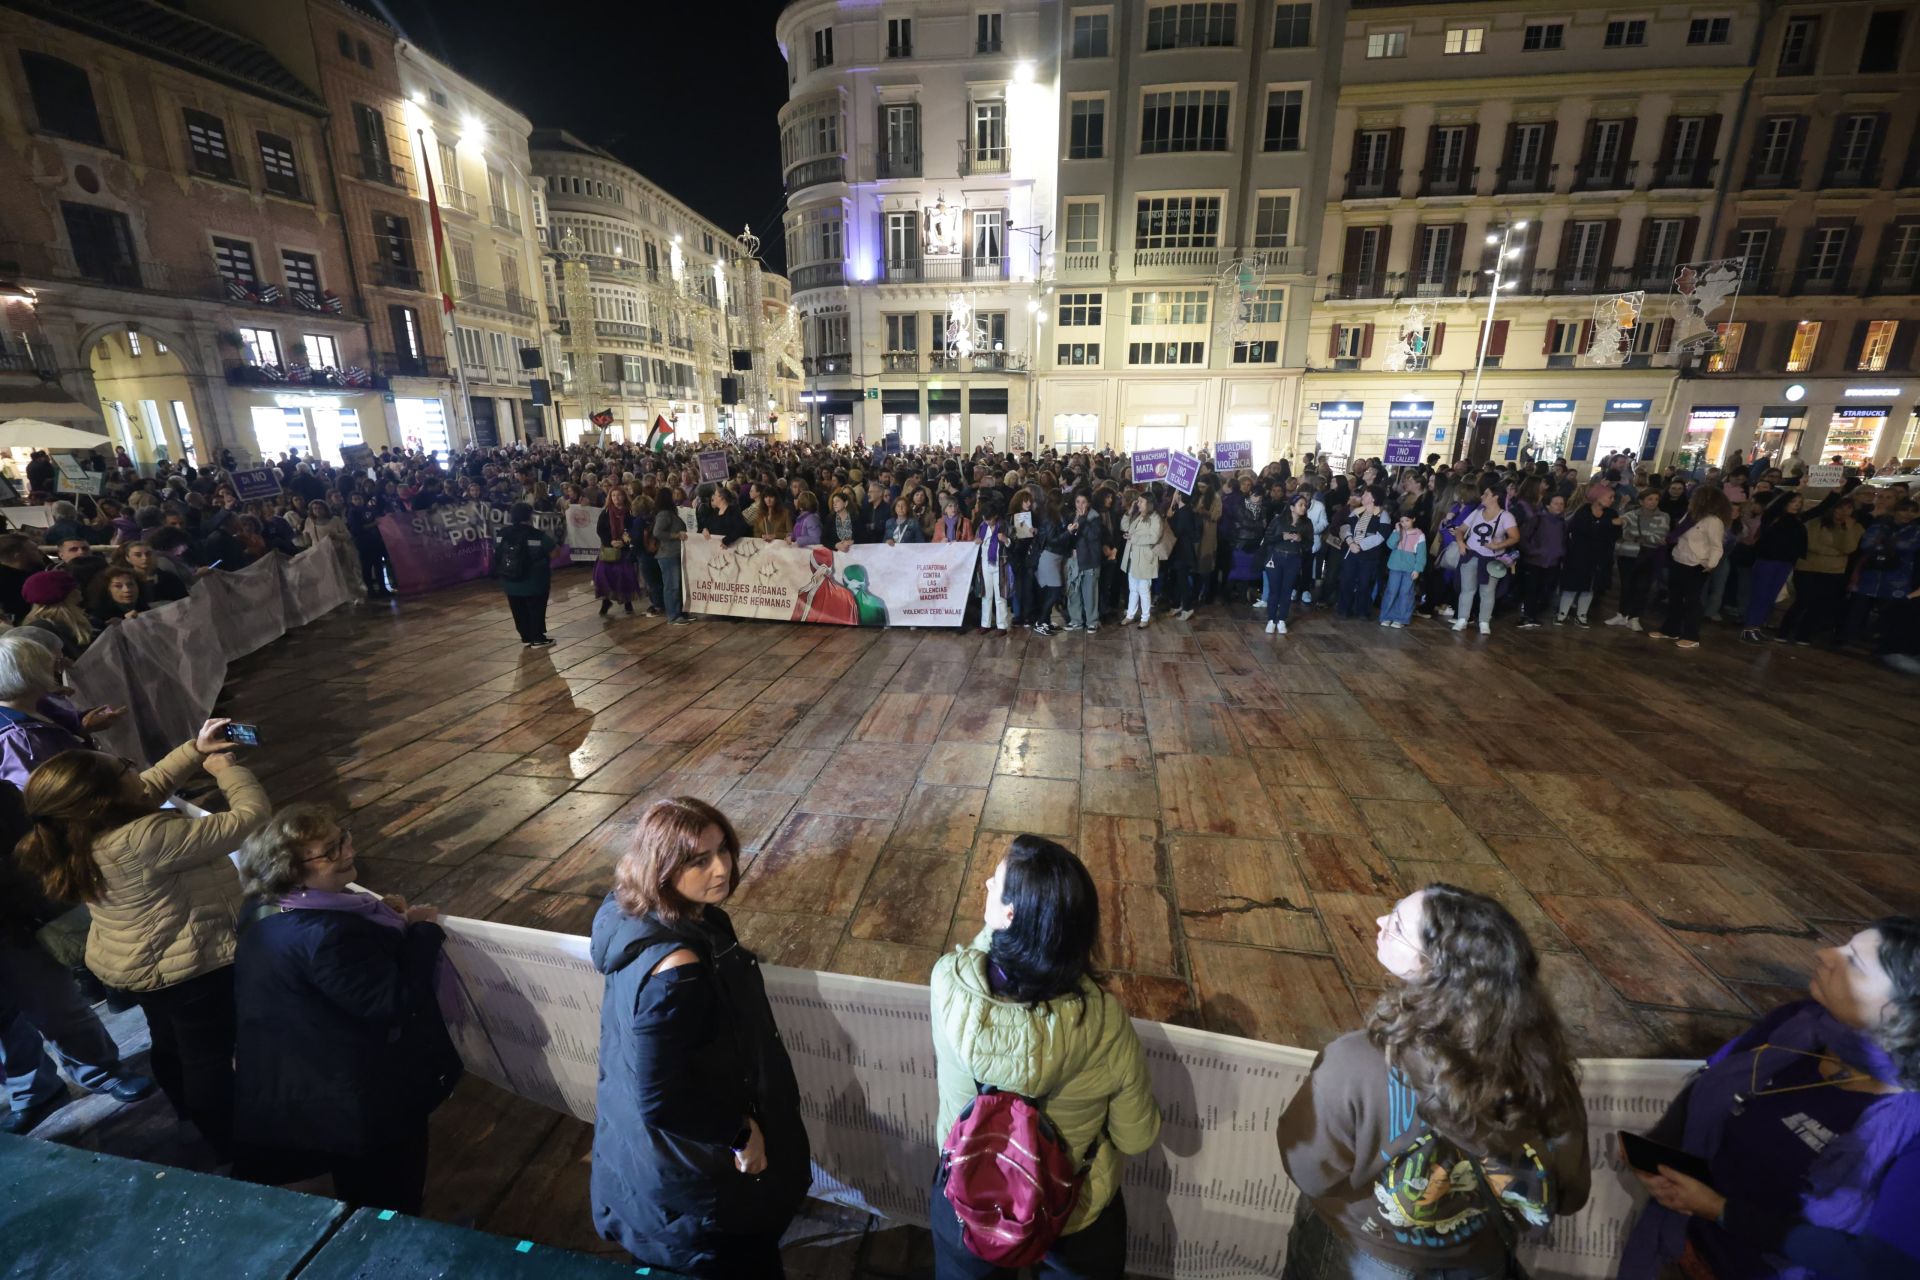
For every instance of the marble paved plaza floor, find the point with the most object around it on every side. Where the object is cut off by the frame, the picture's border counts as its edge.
(1678, 831)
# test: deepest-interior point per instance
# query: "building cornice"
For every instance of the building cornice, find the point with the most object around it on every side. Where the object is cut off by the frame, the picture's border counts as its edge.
(1610, 84)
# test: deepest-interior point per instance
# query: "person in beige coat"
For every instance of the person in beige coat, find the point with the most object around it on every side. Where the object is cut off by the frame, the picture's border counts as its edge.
(1142, 527)
(164, 896)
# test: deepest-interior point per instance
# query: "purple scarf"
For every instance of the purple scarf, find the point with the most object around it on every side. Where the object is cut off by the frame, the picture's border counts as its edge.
(370, 907)
(1843, 1179)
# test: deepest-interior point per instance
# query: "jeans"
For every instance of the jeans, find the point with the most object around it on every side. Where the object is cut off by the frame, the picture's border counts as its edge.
(1357, 575)
(650, 574)
(1636, 583)
(1314, 1252)
(1684, 585)
(1083, 605)
(1768, 577)
(193, 1025)
(529, 616)
(1716, 591)
(1396, 602)
(1097, 1251)
(1183, 584)
(668, 570)
(1541, 584)
(393, 1176)
(1139, 598)
(1577, 601)
(1473, 573)
(45, 1020)
(1281, 575)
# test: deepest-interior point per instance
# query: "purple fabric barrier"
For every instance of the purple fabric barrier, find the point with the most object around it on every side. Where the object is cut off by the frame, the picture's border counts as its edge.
(446, 546)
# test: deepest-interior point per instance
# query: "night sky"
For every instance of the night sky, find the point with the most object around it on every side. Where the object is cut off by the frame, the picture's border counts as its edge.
(685, 92)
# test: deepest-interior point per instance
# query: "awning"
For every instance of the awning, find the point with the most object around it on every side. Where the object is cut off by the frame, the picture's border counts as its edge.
(45, 400)
(31, 433)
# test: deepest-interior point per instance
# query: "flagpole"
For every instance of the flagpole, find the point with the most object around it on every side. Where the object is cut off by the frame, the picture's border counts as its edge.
(442, 255)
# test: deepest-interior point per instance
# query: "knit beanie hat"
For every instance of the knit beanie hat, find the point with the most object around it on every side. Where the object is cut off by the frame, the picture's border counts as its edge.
(50, 586)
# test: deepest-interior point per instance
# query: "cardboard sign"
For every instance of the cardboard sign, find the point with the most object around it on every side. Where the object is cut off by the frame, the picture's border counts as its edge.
(1230, 455)
(75, 478)
(260, 482)
(1182, 468)
(713, 465)
(1150, 465)
(357, 457)
(1403, 451)
(1826, 476)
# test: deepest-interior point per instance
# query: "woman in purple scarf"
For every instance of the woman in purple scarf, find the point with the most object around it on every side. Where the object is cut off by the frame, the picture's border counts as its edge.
(342, 1050)
(1810, 1123)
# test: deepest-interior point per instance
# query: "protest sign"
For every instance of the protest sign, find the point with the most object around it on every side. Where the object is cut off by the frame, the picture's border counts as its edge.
(713, 465)
(1403, 451)
(357, 458)
(75, 478)
(1826, 476)
(1230, 455)
(1182, 468)
(922, 584)
(445, 546)
(258, 483)
(1150, 465)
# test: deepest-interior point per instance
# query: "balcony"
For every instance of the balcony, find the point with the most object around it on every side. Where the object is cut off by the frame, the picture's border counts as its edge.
(247, 374)
(900, 362)
(381, 169)
(987, 46)
(1894, 280)
(506, 219)
(1605, 175)
(1449, 180)
(1682, 175)
(830, 365)
(1082, 262)
(394, 275)
(820, 275)
(53, 262)
(457, 198)
(900, 50)
(1437, 284)
(27, 353)
(1576, 280)
(1197, 257)
(811, 173)
(397, 365)
(1852, 173)
(1525, 179)
(1784, 178)
(494, 300)
(1372, 184)
(897, 164)
(988, 159)
(1651, 276)
(941, 270)
(620, 329)
(1823, 281)
(1349, 286)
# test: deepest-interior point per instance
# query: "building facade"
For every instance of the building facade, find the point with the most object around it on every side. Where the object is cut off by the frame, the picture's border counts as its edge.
(649, 300)
(1577, 151)
(1816, 357)
(172, 237)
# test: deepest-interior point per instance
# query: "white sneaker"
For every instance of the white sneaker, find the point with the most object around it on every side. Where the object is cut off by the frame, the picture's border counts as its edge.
(1143, 622)
(1306, 597)
(1444, 611)
(1617, 620)
(1486, 629)
(1461, 625)
(1271, 626)
(1125, 618)
(1385, 623)
(1280, 628)
(1633, 624)
(1260, 604)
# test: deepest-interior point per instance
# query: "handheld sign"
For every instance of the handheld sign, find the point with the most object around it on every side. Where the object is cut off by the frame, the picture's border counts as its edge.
(1182, 469)
(1826, 476)
(73, 477)
(254, 485)
(357, 457)
(713, 465)
(1149, 465)
(1231, 455)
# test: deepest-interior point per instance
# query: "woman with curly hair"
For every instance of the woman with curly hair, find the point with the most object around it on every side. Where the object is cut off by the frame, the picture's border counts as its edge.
(1420, 1139)
(1809, 1122)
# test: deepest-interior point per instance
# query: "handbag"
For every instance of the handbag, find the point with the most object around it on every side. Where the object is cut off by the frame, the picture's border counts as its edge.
(612, 555)
(1509, 1234)
(1450, 558)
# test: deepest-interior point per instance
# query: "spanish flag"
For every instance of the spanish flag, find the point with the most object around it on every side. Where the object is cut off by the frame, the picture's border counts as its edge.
(442, 252)
(662, 434)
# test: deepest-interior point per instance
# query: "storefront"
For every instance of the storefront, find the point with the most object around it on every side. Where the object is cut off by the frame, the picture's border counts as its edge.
(1705, 442)
(1408, 422)
(1853, 435)
(987, 418)
(1623, 429)
(1334, 432)
(1780, 433)
(1549, 428)
(1158, 431)
(423, 424)
(943, 417)
(900, 416)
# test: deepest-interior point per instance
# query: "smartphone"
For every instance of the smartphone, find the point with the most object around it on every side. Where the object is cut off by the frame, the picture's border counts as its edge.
(247, 735)
(1647, 1156)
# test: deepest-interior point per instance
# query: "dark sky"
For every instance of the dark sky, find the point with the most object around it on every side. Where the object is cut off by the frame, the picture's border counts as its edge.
(685, 92)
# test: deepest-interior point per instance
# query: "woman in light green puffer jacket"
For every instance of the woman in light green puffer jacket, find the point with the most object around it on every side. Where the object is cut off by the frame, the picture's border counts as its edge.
(1021, 1009)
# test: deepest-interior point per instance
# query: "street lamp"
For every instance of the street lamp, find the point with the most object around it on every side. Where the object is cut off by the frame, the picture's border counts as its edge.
(1509, 249)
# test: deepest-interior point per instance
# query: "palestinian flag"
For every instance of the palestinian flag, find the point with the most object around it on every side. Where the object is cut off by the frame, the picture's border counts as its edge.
(661, 436)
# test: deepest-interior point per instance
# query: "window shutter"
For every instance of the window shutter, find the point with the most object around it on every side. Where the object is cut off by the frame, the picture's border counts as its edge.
(1609, 245)
(1626, 142)
(1439, 338)
(1689, 233)
(1431, 165)
(1366, 342)
(1553, 333)
(1901, 357)
(1796, 147)
(1587, 144)
(1354, 172)
(1847, 254)
(1669, 143)
(1782, 348)
(1709, 145)
(1850, 358)
(1469, 152)
(1547, 137)
(1497, 342)
(1750, 339)
(1663, 336)
(1386, 246)
(1881, 123)
(1644, 248)
(1510, 151)
(1333, 343)
(1396, 139)
(1456, 247)
(1350, 255)
(1586, 338)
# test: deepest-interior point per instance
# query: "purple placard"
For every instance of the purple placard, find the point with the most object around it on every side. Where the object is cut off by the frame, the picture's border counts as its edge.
(1183, 469)
(1231, 455)
(252, 486)
(1149, 465)
(713, 465)
(1403, 451)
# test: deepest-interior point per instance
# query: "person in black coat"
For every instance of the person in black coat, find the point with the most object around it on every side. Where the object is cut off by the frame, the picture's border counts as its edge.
(342, 1050)
(700, 1159)
(726, 523)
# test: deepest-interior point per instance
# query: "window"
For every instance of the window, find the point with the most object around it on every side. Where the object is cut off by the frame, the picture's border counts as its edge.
(1285, 110)
(345, 43)
(1625, 33)
(1751, 244)
(184, 426)
(1853, 149)
(1387, 44)
(102, 243)
(1169, 306)
(1267, 306)
(1826, 250)
(323, 351)
(989, 238)
(1543, 35)
(365, 54)
(1292, 26)
(899, 37)
(989, 132)
(1584, 241)
(1877, 346)
(1437, 246)
(370, 132)
(1773, 153)
(1728, 340)
(903, 332)
(1166, 353)
(1090, 34)
(207, 145)
(986, 33)
(1069, 353)
(1087, 129)
(1349, 341)
(1563, 337)
(133, 343)
(1080, 309)
(233, 259)
(301, 271)
(1902, 253)
(823, 48)
(1806, 341)
(1083, 226)
(62, 99)
(262, 346)
(1881, 52)
(1257, 351)
(465, 271)
(1184, 120)
(1709, 31)
(1799, 46)
(903, 238)
(277, 164)
(1272, 222)
(1663, 247)
(1177, 222)
(1191, 26)
(1464, 40)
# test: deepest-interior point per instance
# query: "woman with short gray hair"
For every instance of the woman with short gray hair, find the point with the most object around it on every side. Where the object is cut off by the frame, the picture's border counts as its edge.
(37, 722)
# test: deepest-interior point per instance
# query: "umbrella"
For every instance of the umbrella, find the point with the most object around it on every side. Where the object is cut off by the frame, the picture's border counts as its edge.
(31, 433)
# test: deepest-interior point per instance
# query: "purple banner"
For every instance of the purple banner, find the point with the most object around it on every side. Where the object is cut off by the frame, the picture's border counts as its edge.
(1403, 451)
(713, 465)
(1182, 469)
(251, 486)
(1230, 455)
(1149, 465)
(446, 546)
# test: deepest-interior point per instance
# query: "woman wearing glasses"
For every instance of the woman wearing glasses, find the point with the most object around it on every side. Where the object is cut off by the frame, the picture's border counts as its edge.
(342, 1049)
(163, 896)
(1425, 1142)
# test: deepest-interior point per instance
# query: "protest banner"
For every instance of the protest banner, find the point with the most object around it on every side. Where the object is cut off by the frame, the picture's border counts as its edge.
(1182, 469)
(447, 545)
(1150, 465)
(1230, 455)
(922, 584)
(1209, 1201)
(255, 484)
(713, 465)
(75, 478)
(1827, 475)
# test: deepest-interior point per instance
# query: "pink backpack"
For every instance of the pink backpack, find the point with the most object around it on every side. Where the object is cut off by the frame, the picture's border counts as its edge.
(1011, 1178)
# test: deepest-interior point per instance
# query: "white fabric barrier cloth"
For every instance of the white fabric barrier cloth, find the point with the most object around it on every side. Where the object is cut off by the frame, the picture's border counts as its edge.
(918, 584)
(1210, 1200)
(167, 666)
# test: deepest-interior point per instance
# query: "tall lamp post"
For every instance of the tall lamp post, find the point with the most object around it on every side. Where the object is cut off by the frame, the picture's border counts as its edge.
(1509, 249)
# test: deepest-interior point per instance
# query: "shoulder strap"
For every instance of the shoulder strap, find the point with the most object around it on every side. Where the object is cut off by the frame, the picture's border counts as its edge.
(1509, 1234)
